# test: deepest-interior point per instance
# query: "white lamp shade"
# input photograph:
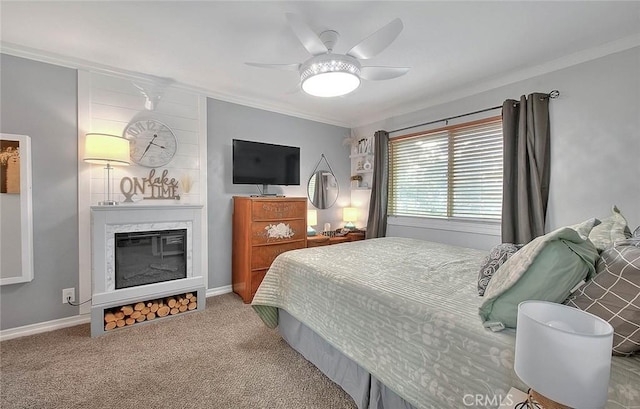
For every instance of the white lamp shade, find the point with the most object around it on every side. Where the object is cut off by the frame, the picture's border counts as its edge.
(103, 148)
(312, 217)
(564, 353)
(350, 214)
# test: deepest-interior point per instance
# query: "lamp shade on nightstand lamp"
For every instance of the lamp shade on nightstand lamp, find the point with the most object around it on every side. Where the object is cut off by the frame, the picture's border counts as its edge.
(104, 149)
(312, 220)
(350, 215)
(563, 354)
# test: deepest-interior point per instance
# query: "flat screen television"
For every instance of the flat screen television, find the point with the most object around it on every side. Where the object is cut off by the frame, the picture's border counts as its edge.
(258, 163)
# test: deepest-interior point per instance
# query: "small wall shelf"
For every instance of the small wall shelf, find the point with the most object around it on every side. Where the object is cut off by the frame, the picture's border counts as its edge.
(360, 155)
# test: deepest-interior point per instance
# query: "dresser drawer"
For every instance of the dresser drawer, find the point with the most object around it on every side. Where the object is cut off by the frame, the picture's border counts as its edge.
(275, 210)
(263, 256)
(256, 279)
(277, 231)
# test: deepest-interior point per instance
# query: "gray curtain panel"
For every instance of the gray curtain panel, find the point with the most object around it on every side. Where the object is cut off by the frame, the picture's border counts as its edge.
(377, 222)
(525, 127)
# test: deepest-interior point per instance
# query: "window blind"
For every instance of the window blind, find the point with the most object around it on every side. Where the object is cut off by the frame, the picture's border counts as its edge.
(450, 172)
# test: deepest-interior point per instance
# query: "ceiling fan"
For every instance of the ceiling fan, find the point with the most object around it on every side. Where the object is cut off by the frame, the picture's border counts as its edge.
(329, 75)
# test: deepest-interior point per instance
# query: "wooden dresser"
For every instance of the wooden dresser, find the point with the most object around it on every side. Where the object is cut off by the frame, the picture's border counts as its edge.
(263, 228)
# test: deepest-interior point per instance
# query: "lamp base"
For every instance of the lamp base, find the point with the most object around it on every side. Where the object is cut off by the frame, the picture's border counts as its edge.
(311, 231)
(350, 226)
(538, 401)
(108, 203)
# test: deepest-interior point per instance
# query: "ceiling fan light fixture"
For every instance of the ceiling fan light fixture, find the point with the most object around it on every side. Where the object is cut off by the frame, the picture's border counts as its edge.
(330, 75)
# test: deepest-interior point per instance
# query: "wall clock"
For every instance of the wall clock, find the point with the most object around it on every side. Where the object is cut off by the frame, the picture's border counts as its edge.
(151, 143)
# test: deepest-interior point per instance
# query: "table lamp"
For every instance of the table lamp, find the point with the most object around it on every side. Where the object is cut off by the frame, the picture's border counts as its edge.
(312, 220)
(564, 355)
(350, 215)
(104, 149)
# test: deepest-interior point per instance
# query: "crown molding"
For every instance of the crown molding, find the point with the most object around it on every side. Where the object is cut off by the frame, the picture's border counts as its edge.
(570, 60)
(80, 64)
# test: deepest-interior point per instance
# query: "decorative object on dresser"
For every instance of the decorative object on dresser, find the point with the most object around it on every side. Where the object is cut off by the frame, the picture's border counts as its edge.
(552, 341)
(263, 228)
(104, 149)
(153, 143)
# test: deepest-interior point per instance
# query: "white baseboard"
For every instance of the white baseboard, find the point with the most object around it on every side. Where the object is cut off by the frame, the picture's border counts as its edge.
(47, 326)
(212, 292)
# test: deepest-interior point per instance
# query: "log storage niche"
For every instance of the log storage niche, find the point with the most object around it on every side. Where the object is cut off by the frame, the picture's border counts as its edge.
(131, 314)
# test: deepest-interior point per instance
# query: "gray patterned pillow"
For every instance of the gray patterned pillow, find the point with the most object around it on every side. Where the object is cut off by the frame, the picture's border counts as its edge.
(497, 256)
(613, 294)
(636, 233)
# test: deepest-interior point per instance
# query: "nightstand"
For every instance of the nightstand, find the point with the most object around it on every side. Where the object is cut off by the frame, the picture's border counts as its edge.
(320, 240)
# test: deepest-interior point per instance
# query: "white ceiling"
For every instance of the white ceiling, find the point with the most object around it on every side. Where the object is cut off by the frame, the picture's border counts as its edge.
(450, 46)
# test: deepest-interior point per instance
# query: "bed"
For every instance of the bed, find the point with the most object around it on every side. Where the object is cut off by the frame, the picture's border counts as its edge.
(394, 321)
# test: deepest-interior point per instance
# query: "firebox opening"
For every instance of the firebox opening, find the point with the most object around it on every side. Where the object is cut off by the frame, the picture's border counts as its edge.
(149, 257)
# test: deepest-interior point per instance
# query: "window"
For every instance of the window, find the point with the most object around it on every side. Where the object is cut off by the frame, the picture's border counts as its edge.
(453, 172)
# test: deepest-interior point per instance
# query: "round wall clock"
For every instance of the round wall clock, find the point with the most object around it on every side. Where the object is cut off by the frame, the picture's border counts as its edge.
(151, 143)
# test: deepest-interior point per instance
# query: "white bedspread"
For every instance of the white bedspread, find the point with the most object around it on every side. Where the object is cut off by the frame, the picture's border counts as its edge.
(407, 311)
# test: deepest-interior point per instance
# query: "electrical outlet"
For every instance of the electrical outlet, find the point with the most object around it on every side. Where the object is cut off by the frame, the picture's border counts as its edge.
(68, 294)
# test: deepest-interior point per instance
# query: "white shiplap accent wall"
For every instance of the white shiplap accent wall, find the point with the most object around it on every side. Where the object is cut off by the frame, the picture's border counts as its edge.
(106, 104)
(116, 101)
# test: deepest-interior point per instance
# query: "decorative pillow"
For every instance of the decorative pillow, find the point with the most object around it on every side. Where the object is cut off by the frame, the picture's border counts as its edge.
(498, 255)
(614, 294)
(585, 227)
(546, 269)
(610, 230)
(636, 232)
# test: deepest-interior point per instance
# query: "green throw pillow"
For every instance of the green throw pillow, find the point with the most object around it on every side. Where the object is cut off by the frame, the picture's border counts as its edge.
(547, 269)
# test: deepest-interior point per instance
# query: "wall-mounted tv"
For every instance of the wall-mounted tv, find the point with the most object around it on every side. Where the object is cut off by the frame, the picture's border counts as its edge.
(258, 163)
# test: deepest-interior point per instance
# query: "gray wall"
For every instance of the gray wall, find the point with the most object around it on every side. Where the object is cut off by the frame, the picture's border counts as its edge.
(40, 100)
(595, 141)
(226, 121)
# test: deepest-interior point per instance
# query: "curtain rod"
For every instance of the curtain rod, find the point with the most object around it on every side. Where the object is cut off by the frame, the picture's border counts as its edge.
(551, 95)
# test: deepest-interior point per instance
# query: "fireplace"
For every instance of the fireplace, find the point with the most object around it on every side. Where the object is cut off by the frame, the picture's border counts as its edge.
(144, 252)
(149, 257)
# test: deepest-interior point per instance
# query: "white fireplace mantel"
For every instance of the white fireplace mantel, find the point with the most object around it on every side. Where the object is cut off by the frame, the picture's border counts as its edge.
(108, 220)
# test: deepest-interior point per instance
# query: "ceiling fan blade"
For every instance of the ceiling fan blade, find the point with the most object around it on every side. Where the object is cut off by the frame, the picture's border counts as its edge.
(285, 67)
(382, 73)
(378, 41)
(306, 35)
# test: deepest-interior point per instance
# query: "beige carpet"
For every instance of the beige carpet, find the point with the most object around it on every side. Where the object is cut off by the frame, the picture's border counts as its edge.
(222, 357)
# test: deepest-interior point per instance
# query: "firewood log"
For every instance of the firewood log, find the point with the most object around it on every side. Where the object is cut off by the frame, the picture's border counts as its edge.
(163, 311)
(110, 325)
(127, 309)
(119, 315)
(141, 318)
(182, 308)
(120, 323)
(109, 317)
(174, 311)
(145, 310)
(130, 321)
(151, 316)
(171, 302)
(139, 306)
(135, 315)
(192, 306)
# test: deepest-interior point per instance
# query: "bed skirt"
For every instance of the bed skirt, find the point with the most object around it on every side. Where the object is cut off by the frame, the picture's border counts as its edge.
(365, 389)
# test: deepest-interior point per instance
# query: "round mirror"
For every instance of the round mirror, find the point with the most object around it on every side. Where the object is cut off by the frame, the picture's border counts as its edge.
(323, 189)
